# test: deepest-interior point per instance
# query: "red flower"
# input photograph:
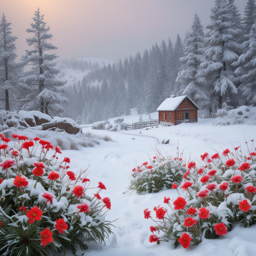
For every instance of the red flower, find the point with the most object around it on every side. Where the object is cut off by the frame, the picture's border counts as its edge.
(231, 162)
(3, 146)
(67, 160)
(107, 202)
(204, 156)
(23, 208)
(153, 238)
(36, 139)
(34, 214)
(203, 193)
(215, 156)
(249, 158)
(20, 181)
(98, 196)
(236, 148)
(186, 174)
(149, 167)
(27, 144)
(186, 185)
(6, 140)
(225, 152)
(15, 153)
(244, 166)
(160, 213)
(223, 186)
(53, 175)
(48, 197)
(61, 226)
(250, 189)
(184, 240)
(220, 229)
(191, 211)
(48, 146)
(244, 205)
(200, 171)
(212, 172)
(101, 186)
(153, 229)
(205, 178)
(174, 186)
(85, 180)
(191, 165)
(204, 213)
(211, 186)
(1, 223)
(38, 171)
(134, 169)
(189, 222)
(22, 137)
(71, 175)
(15, 136)
(145, 163)
(237, 179)
(1, 180)
(147, 214)
(83, 207)
(39, 164)
(166, 200)
(154, 157)
(253, 153)
(46, 237)
(1, 135)
(179, 203)
(7, 164)
(57, 149)
(78, 191)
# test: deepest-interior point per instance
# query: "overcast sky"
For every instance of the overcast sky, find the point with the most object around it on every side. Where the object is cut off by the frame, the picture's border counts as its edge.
(110, 29)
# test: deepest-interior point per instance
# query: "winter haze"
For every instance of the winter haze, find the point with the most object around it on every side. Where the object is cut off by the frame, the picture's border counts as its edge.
(110, 29)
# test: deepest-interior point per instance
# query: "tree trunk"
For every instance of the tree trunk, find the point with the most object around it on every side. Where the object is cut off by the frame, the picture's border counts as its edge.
(7, 105)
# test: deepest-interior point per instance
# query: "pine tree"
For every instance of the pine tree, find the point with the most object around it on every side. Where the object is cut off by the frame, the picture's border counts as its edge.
(187, 78)
(45, 89)
(249, 17)
(8, 67)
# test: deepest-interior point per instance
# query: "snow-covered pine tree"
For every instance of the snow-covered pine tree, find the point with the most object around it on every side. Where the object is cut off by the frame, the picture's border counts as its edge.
(249, 17)
(220, 55)
(171, 75)
(8, 67)
(45, 89)
(193, 51)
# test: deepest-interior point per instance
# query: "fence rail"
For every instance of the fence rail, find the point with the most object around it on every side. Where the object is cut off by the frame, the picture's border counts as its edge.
(140, 125)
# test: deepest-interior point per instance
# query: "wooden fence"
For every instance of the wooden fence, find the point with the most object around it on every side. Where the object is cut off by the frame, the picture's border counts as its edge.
(143, 124)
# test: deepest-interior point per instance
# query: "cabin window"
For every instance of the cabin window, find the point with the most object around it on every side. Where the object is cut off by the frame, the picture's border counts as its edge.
(163, 116)
(179, 115)
(185, 104)
(170, 116)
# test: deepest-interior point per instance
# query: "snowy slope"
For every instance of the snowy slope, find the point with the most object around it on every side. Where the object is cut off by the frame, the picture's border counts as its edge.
(112, 162)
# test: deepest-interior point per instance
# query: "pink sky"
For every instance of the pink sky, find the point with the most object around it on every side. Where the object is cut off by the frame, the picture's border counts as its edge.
(110, 29)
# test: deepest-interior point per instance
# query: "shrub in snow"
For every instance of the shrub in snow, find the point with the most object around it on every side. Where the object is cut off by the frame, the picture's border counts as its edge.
(159, 174)
(218, 193)
(44, 206)
(118, 125)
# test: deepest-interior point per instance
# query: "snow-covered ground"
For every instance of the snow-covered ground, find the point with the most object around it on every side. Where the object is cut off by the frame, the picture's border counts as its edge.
(112, 162)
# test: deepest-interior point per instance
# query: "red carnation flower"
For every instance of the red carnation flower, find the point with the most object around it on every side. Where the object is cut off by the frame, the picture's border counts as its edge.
(225, 152)
(204, 156)
(85, 180)
(71, 175)
(23, 208)
(20, 181)
(139, 170)
(153, 229)
(184, 240)
(83, 207)
(189, 222)
(212, 172)
(48, 197)
(237, 179)
(185, 175)
(186, 185)
(22, 137)
(174, 186)
(57, 149)
(34, 214)
(205, 178)
(15, 136)
(101, 186)
(191, 211)
(1, 224)
(203, 193)
(244, 166)
(7, 164)
(1, 180)
(15, 153)
(191, 165)
(134, 169)
(107, 202)
(1, 135)
(253, 153)
(220, 229)
(166, 200)
(67, 160)
(250, 189)
(160, 213)
(215, 156)
(36, 139)
(61, 226)
(179, 203)
(231, 162)
(38, 171)
(39, 164)
(223, 186)
(53, 175)
(149, 167)
(236, 148)
(3, 146)
(204, 213)
(27, 144)
(78, 191)
(153, 238)
(200, 171)
(46, 237)
(7, 140)
(48, 146)
(98, 196)
(211, 186)
(147, 214)
(145, 163)
(244, 205)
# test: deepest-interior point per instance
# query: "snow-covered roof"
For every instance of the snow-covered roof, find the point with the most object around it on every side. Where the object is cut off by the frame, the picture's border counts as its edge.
(170, 104)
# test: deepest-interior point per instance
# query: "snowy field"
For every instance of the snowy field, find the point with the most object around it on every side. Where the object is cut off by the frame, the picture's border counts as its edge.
(112, 162)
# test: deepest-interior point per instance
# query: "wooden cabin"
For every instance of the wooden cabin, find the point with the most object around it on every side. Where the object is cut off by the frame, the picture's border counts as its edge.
(176, 110)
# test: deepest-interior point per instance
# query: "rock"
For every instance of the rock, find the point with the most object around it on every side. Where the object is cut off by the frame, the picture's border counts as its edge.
(12, 123)
(30, 121)
(68, 127)
(38, 117)
(40, 121)
(240, 113)
(24, 124)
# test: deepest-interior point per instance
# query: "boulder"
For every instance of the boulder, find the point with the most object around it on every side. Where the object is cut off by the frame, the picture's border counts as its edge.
(30, 121)
(35, 117)
(68, 127)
